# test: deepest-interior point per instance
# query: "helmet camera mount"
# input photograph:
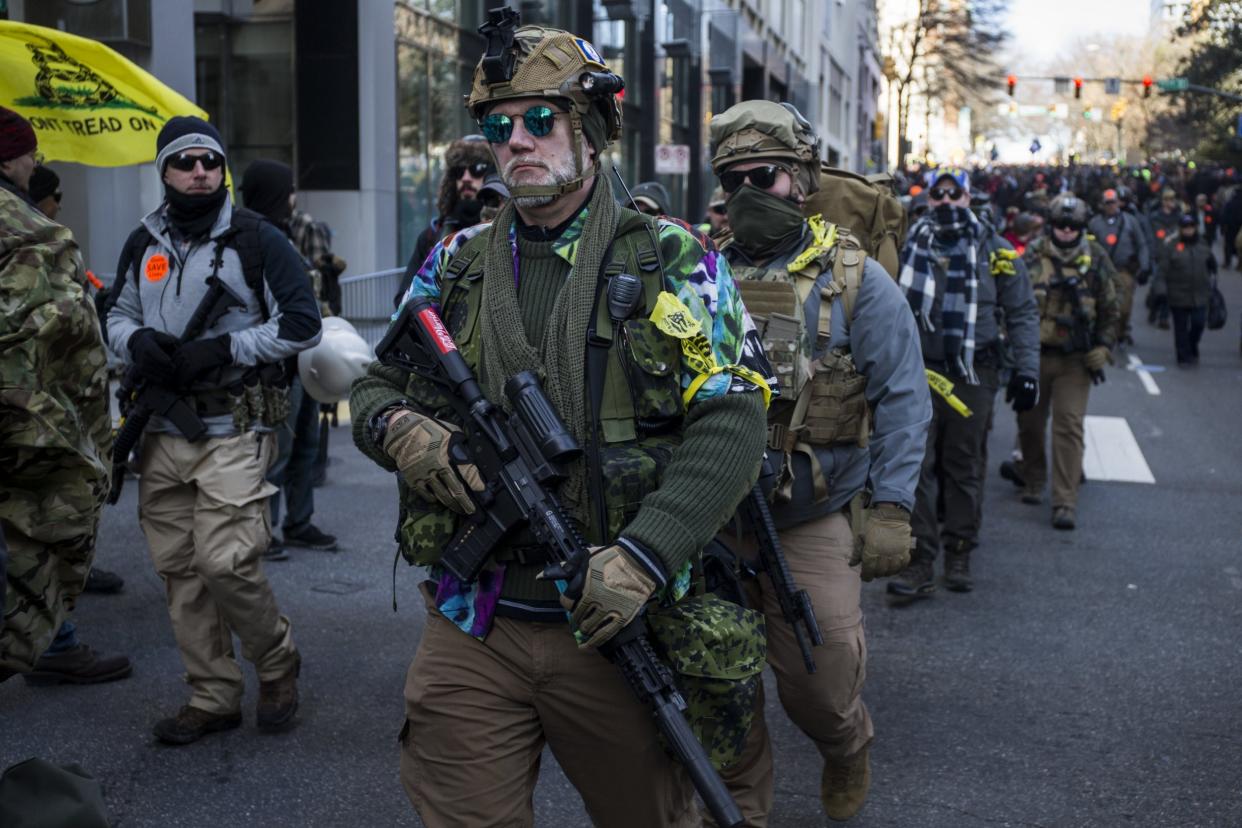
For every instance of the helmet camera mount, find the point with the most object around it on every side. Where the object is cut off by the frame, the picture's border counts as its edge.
(499, 58)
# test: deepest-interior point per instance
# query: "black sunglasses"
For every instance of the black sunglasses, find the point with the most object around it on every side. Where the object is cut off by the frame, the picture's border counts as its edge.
(58, 195)
(762, 177)
(1067, 225)
(719, 209)
(940, 193)
(538, 121)
(476, 170)
(185, 162)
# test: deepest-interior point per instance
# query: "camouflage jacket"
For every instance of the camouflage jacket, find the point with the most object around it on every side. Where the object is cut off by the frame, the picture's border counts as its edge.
(55, 427)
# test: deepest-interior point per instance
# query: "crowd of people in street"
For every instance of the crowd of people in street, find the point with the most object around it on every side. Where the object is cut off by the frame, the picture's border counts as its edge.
(847, 370)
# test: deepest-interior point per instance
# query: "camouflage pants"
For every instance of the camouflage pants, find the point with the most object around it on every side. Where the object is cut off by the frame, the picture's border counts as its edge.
(828, 705)
(42, 580)
(478, 714)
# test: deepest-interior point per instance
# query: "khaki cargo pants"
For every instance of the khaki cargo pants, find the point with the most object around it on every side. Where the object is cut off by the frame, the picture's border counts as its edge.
(1064, 386)
(203, 507)
(828, 705)
(478, 714)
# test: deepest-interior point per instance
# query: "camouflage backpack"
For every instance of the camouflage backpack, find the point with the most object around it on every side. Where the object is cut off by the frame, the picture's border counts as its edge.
(865, 205)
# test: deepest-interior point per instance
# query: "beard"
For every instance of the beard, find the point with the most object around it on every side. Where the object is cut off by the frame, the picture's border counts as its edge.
(556, 172)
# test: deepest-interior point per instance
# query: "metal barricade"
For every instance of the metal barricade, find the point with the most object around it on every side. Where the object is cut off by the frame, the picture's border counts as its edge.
(366, 301)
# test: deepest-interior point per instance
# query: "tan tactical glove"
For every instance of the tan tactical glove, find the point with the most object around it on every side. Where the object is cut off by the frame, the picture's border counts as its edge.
(613, 593)
(420, 447)
(884, 548)
(1097, 358)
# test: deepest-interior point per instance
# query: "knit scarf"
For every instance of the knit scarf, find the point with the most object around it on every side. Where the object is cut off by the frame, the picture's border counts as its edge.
(961, 288)
(560, 359)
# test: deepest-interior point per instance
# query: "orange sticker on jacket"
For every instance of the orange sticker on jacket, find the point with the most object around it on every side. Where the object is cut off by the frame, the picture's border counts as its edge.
(1181, 246)
(157, 267)
(1160, 234)
(1111, 238)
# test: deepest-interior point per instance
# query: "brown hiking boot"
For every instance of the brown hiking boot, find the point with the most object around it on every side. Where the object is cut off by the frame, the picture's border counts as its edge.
(278, 700)
(844, 784)
(957, 568)
(918, 580)
(193, 723)
(78, 665)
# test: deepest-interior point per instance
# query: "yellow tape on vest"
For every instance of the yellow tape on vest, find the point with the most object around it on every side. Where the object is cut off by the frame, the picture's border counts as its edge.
(672, 317)
(942, 386)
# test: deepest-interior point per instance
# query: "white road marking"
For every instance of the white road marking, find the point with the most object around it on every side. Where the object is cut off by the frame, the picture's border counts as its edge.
(1137, 366)
(1110, 452)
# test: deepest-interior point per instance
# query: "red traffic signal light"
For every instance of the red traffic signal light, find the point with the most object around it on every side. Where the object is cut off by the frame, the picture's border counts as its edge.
(1146, 86)
(1012, 80)
(1077, 87)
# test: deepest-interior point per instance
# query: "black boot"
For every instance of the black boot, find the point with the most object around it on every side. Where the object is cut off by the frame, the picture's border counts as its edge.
(918, 580)
(79, 665)
(957, 566)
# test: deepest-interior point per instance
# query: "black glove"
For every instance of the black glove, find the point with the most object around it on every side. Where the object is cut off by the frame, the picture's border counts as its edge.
(1143, 276)
(152, 351)
(1023, 392)
(193, 359)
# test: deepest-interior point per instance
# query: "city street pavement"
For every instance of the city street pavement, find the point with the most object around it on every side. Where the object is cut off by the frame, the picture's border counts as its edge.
(1090, 679)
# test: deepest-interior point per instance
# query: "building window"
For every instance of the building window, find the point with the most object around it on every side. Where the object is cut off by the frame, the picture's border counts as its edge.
(432, 80)
(244, 79)
(836, 82)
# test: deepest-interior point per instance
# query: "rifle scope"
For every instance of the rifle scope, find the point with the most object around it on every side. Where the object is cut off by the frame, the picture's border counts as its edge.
(536, 412)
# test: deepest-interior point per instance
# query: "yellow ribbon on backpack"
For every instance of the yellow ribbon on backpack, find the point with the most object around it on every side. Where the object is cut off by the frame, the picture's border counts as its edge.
(943, 386)
(673, 318)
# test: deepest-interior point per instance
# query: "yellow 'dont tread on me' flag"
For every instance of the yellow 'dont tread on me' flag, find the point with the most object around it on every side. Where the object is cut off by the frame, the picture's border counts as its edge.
(87, 103)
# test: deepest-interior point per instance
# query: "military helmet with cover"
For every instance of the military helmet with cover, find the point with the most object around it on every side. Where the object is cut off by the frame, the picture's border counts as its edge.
(761, 130)
(541, 62)
(1068, 208)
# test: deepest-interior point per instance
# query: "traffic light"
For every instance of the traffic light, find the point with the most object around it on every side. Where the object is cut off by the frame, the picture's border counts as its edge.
(1077, 88)
(1146, 86)
(1012, 80)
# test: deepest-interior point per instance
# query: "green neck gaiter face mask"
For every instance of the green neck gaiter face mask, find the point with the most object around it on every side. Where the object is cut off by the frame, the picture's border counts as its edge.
(763, 224)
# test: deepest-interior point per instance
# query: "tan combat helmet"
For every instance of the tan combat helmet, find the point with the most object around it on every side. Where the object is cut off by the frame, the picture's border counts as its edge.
(1070, 208)
(538, 62)
(753, 130)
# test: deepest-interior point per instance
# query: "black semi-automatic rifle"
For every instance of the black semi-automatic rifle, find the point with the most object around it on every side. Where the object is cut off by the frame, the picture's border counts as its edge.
(1079, 323)
(520, 458)
(141, 400)
(795, 603)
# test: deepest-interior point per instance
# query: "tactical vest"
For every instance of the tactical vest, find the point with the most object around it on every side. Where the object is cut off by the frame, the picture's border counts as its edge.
(1065, 294)
(640, 411)
(822, 401)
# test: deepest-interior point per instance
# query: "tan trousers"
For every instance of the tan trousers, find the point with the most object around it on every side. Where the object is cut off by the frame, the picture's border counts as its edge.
(1125, 296)
(203, 507)
(828, 705)
(478, 714)
(1064, 386)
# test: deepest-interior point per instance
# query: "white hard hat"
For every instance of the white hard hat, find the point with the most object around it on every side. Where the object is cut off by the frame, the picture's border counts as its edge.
(328, 369)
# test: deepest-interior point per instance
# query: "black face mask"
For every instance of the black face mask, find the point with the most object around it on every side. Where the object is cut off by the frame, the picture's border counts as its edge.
(763, 224)
(1192, 238)
(1065, 245)
(194, 215)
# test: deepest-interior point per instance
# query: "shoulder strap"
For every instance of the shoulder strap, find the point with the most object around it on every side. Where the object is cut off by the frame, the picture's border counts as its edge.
(847, 270)
(243, 237)
(135, 246)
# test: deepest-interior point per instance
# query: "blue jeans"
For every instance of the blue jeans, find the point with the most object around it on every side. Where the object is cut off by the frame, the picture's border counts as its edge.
(297, 446)
(66, 639)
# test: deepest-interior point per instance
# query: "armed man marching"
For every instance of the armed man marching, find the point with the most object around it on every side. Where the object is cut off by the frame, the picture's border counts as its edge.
(963, 283)
(852, 417)
(647, 354)
(1124, 239)
(1079, 315)
(212, 300)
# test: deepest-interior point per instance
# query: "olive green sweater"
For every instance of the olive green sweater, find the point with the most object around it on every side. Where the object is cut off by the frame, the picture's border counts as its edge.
(716, 463)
